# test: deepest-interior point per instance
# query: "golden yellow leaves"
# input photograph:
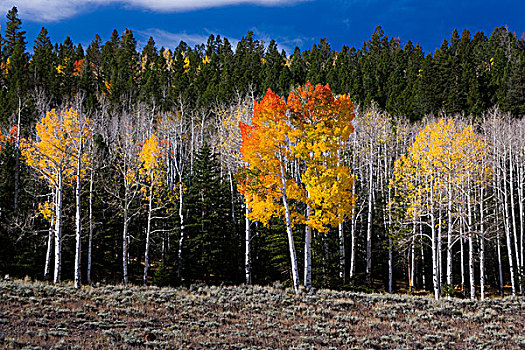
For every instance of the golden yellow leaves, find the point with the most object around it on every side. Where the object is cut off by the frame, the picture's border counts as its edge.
(53, 153)
(47, 210)
(444, 157)
(309, 129)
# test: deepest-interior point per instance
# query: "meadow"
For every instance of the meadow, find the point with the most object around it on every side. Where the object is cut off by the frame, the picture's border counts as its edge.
(36, 315)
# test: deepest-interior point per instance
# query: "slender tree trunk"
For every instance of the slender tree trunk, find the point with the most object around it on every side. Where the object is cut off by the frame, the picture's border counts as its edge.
(471, 249)
(247, 252)
(508, 229)
(435, 254)
(462, 257)
(232, 191)
(125, 239)
(181, 238)
(308, 251)
(369, 223)
(78, 221)
(513, 215)
(148, 232)
(440, 249)
(58, 231)
(411, 259)
(449, 235)
(423, 275)
(500, 266)
(482, 245)
(390, 272)
(51, 232)
(342, 255)
(90, 235)
(17, 158)
(522, 224)
(353, 246)
(288, 221)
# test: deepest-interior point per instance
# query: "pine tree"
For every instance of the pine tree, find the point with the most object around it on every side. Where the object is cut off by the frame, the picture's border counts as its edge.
(213, 243)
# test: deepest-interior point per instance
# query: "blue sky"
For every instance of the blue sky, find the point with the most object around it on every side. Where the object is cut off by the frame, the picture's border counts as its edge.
(290, 22)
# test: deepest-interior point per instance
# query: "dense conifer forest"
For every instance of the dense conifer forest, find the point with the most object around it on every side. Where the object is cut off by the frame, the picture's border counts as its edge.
(121, 164)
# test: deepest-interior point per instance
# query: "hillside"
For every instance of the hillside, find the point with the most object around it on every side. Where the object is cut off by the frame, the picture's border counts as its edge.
(60, 317)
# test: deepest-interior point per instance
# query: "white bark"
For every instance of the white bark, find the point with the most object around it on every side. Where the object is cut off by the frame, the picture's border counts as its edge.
(308, 251)
(58, 230)
(17, 157)
(369, 218)
(513, 213)
(482, 245)
(90, 235)
(471, 250)
(78, 221)
(435, 255)
(288, 221)
(148, 232)
(247, 251)
(449, 234)
(50, 235)
(508, 229)
(342, 256)
(181, 237)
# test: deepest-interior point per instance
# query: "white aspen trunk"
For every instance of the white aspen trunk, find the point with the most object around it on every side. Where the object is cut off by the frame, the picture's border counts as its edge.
(288, 221)
(423, 277)
(522, 224)
(148, 232)
(500, 265)
(462, 258)
(232, 191)
(508, 229)
(412, 260)
(47, 266)
(513, 214)
(369, 218)
(390, 272)
(440, 250)
(342, 256)
(181, 238)
(498, 242)
(17, 158)
(352, 246)
(482, 245)
(125, 239)
(78, 221)
(247, 252)
(308, 251)
(435, 268)
(470, 248)
(449, 235)
(90, 235)
(58, 230)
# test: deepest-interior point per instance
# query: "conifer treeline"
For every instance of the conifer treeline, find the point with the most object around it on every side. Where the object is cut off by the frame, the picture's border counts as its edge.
(466, 74)
(193, 98)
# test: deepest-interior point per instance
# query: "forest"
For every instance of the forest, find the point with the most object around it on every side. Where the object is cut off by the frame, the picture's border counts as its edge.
(372, 168)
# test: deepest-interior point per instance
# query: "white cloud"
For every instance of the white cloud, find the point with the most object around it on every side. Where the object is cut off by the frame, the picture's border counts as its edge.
(55, 10)
(171, 40)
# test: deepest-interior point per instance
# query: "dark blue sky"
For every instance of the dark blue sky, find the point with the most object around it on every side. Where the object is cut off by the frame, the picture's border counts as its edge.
(290, 22)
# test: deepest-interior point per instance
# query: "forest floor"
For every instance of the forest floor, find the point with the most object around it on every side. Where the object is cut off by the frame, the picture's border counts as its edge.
(39, 315)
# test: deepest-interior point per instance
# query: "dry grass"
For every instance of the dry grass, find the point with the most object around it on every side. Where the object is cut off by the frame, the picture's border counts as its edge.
(37, 315)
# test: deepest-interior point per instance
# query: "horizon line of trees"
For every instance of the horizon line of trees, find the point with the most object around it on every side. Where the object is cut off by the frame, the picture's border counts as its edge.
(181, 219)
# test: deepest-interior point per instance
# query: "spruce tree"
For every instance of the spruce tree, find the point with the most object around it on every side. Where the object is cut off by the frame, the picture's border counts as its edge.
(213, 242)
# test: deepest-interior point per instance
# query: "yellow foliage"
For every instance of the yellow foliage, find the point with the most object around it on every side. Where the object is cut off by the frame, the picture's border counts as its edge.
(444, 159)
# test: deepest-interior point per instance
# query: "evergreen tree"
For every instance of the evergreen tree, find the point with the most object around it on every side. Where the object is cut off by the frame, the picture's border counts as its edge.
(213, 252)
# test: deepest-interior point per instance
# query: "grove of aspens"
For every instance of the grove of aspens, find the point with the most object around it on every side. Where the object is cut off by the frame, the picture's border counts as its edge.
(385, 168)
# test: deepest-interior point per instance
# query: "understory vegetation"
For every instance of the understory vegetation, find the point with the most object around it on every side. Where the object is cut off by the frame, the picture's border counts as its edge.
(35, 314)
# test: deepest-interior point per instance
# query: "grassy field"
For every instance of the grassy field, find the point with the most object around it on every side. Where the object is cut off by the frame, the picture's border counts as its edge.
(38, 315)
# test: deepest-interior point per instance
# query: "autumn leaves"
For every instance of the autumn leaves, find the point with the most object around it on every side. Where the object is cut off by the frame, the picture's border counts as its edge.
(294, 169)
